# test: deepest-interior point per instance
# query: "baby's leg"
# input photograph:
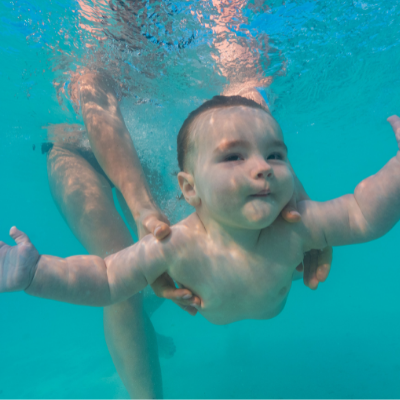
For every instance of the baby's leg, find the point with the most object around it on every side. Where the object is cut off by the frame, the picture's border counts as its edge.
(84, 198)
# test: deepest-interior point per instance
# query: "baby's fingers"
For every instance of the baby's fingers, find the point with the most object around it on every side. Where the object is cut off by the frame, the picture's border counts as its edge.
(19, 236)
(394, 121)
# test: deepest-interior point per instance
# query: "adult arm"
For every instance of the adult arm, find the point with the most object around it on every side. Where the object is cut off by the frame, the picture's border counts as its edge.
(114, 150)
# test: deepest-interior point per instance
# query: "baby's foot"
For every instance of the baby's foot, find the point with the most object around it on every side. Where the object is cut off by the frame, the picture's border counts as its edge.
(166, 346)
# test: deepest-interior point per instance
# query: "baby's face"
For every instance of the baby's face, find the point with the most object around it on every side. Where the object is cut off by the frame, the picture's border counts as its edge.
(241, 172)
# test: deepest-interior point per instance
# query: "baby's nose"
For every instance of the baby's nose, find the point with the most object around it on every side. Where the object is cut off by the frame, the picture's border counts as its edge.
(262, 170)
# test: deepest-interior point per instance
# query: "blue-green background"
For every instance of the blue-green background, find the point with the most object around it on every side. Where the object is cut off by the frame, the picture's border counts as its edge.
(342, 81)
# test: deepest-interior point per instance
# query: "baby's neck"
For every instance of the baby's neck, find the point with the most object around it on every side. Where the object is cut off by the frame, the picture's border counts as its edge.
(228, 235)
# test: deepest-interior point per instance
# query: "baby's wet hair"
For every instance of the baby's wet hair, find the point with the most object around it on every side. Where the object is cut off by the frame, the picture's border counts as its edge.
(184, 135)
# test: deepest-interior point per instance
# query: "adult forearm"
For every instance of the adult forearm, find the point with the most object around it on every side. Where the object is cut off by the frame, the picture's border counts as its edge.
(379, 197)
(111, 141)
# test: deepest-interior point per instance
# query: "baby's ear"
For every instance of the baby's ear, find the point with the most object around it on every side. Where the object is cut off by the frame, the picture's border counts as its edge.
(186, 183)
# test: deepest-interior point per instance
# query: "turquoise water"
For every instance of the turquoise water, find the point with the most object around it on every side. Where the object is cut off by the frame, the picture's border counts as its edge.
(336, 80)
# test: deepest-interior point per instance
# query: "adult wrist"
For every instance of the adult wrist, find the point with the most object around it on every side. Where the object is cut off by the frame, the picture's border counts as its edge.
(139, 207)
(137, 198)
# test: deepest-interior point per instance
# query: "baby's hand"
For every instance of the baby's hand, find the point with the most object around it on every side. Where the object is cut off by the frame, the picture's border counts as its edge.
(17, 263)
(394, 121)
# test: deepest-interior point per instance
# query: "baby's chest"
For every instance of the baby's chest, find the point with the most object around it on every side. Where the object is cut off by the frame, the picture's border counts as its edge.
(281, 246)
(233, 273)
(219, 271)
(268, 270)
(249, 287)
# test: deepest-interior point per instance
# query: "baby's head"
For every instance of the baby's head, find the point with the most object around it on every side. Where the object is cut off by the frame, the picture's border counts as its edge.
(233, 162)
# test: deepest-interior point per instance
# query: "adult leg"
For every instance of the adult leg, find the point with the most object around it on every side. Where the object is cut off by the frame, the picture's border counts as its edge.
(84, 198)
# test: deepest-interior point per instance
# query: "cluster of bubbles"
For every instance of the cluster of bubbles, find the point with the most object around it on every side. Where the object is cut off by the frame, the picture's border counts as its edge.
(148, 46)
(158, 49)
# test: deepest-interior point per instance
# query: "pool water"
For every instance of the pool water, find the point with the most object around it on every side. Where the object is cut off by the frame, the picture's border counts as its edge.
(335, 81)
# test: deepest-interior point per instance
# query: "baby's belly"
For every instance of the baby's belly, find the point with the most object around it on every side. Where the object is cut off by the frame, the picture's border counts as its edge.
(231, 307)
(224, 317)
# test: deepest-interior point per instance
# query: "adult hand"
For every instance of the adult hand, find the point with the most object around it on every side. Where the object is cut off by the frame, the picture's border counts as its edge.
(155, 222)
(316, 263)
(164, 286)
(316, 266)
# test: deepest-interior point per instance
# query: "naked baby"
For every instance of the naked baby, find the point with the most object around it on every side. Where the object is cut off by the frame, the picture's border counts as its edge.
(235, 251)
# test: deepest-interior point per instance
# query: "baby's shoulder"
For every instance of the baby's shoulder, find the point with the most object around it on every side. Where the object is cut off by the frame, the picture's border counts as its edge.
(282, 243)
(191, 226)
(186, 234)
(281, 232)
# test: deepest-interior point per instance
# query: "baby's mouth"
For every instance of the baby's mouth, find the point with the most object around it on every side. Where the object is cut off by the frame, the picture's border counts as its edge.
(263, 193)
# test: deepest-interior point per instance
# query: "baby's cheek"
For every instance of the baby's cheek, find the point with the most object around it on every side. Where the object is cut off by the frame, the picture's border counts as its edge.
(222, 196)
(229, 189)
(287, 187)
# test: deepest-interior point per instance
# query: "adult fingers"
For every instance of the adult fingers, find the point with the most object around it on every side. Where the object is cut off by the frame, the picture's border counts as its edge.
(191, 310)
(290, 213)
(324, 264)
(164, 287)
(310, 268)
(191, 306)
(159, 229)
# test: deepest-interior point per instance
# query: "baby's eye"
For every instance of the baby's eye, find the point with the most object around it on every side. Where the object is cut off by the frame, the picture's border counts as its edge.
(275, 156)
(233, 157)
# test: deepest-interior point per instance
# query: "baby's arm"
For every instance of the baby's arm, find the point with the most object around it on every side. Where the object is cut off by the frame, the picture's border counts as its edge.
(86, 280)
(369, 213)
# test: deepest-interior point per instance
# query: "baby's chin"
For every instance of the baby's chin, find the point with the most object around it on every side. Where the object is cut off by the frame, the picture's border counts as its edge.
(260, 218)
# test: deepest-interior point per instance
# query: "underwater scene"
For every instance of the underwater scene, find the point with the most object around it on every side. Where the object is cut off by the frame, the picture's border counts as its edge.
(327, 71)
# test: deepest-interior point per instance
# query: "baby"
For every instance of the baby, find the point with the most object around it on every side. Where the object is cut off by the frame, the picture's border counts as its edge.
(235, 251)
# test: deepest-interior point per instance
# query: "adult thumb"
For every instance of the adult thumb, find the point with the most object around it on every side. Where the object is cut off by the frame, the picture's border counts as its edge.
(290, 213)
